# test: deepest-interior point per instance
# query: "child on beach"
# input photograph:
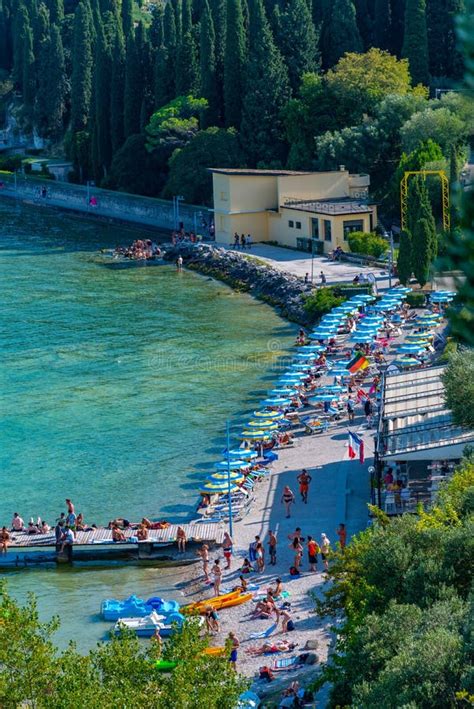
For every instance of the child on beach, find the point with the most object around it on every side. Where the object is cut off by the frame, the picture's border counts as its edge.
(217, 574)
(204, 554)
(246, 567)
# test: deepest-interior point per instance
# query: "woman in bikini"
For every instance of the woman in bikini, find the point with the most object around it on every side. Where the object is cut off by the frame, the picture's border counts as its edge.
(287, 499)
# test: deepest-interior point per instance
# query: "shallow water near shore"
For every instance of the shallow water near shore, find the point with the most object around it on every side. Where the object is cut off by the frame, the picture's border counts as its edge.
(115, 388)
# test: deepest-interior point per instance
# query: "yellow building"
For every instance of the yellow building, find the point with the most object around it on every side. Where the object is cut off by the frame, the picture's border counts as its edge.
(292, 208)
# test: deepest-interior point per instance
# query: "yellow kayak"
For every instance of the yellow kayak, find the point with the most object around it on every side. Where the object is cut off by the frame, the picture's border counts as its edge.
(198, 606)
(236, 601)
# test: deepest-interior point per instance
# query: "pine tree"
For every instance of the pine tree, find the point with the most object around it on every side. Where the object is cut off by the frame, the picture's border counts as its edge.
(267, 91)
(29, 74)
(297, 40)
(382, 24)
(234, 64)
(421, 253)
(186, 66)
(81, 80)
(127, 17)
(117, 93)
(404, 261)
(339, 33)
(415, 41)
(207, 56)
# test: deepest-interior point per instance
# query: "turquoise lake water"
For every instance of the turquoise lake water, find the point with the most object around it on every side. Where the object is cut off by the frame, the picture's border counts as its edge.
(115, 388)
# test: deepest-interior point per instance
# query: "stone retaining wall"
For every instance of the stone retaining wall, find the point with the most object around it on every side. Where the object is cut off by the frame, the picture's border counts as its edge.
(243, 272)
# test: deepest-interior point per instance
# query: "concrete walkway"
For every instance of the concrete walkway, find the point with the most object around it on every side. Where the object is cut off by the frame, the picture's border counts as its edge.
(299, 263)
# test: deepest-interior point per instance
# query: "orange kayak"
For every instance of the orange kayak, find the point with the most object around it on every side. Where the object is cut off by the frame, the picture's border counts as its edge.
(236, 601)
(214, 651)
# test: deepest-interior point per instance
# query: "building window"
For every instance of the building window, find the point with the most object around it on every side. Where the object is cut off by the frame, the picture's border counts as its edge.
(327, 230)
(224, 196)
(315, 228)
(291, 223)
(298, 225)
(352, 225)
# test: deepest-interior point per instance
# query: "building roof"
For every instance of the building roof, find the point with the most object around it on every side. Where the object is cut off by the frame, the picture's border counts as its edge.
(246, 171)
(345, 205)
(415, 422)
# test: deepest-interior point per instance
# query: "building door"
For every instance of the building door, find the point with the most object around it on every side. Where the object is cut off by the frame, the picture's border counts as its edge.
(315, 228)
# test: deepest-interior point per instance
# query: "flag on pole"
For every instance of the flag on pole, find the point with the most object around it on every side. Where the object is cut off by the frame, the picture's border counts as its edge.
(356, 447)
(357, 363)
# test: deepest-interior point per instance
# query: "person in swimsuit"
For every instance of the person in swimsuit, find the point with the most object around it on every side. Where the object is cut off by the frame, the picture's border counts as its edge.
(287, 499)
(212, 620)
(4, 539)
(313, 549)
(260, 556)
(217, 574)
(227, 548)
(181, 539)
(325, 547)
(272, 547)
(342, 534)
(204, 554)
(234, 645)
(304, 480)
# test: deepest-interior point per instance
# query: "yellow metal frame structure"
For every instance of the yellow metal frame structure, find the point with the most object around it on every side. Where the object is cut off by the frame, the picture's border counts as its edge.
(444, 195)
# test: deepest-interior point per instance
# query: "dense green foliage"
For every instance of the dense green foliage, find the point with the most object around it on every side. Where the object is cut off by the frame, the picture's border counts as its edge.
(321, 302)
(458, 380)
(91, 73)
(120, 673)
(405, 587)
(368, 244)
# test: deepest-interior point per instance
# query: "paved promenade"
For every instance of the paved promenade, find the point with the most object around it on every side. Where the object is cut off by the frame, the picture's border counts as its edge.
(298, 263)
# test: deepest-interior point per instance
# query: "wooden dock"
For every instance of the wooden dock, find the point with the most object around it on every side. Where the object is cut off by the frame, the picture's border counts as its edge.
(203, 532)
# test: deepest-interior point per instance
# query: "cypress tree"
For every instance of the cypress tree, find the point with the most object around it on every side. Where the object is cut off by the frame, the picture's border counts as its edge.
(102, 152)
(436, 21)
(421, 255)
(339, 33)
(398, 24)
(178, 18)
(146, 70)
(81, 80)
(364, 23)
(40, 27)
(207, 56)
(163, 80)
(169, 28)
(187, 21)
(267, 91)
(56, 11)
(127, 16)
(4, 58)
(454, 59)
(297, 40)
(234, 64)
(186, 66)
(133, 88)
(165, 72)
(156, 27)
(29, 76)
(415, 41)
(51, 95)
(117, 93)
(404, 265)
(20, 31)
(219, 18)
(382, 31)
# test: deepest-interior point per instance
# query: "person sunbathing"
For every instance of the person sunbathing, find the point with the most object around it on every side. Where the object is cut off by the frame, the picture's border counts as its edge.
(142, 533)
(278, 646)
(117, 534)
(246, 567)
(263, 609)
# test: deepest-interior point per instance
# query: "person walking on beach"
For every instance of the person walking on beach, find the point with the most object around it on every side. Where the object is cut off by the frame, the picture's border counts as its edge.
(181, 540)
(342, 534)
(313, 551)
(325, 549)
(350, 409)
(217, 574)
(322, 278)
(204, 554)
(260, 556)
(304, 480)
(234, 645)
(179, 263)
(272, 547)
(249, 241)
(287, 499)
(227, 545)
(298, 551)
(368, 411)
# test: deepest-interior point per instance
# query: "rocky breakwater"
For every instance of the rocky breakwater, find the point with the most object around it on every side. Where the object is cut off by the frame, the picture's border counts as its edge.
(244, 272)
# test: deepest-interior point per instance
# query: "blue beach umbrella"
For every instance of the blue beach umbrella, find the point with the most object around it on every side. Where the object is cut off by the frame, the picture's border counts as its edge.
(304, 355)
(411, 348)
(293, 377)
(406, 362)
(324, 397)
(218, 487)
(362, 339)
(244, 453)
(362, 298)
(333, 389)
(370, 325)
(234, 465)
(300, 367)
(279, 401)
(312, 348)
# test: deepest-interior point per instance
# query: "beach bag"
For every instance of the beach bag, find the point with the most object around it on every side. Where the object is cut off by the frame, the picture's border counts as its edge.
(290, 625)
(294, 571)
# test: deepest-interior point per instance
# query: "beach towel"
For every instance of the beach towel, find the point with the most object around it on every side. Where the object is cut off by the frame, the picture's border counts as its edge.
(263, 633)
(285, 663)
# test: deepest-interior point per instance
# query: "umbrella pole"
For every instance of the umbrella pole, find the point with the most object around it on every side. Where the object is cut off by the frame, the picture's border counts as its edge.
(228, 476)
